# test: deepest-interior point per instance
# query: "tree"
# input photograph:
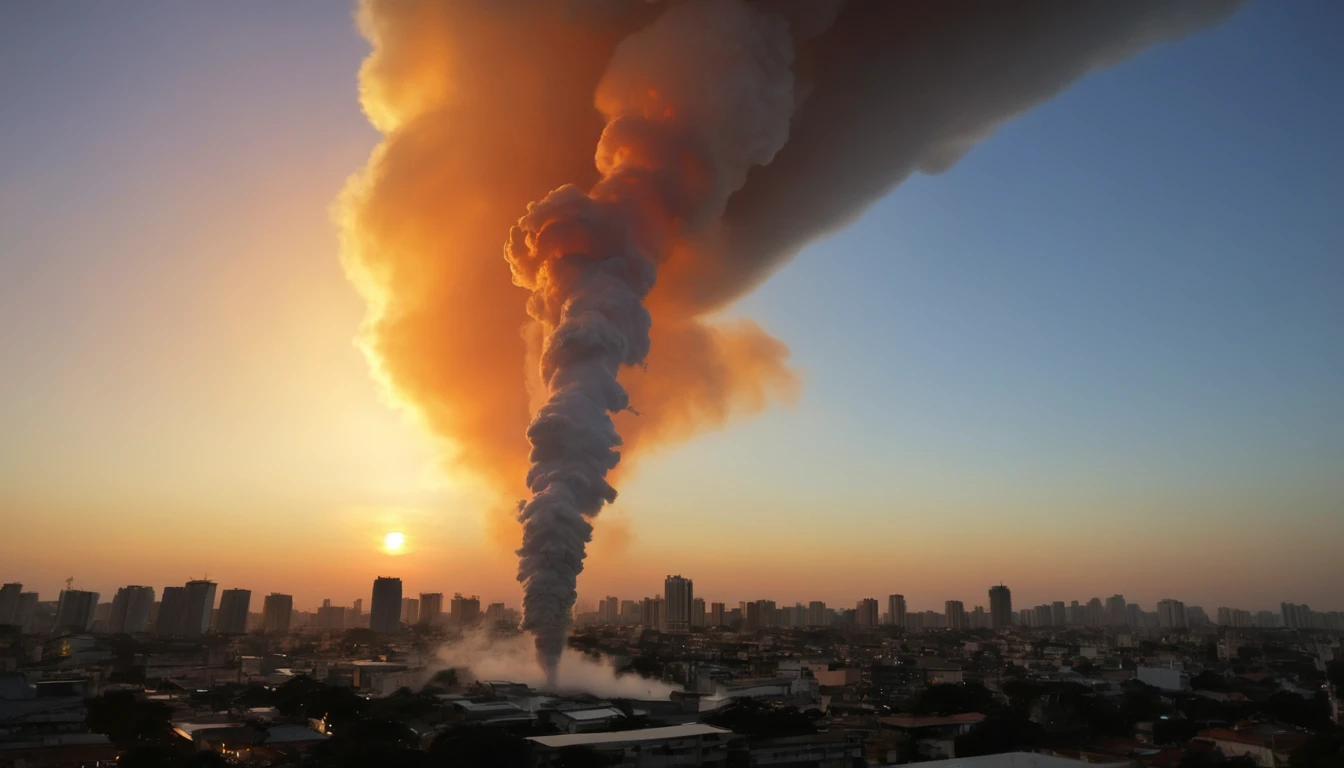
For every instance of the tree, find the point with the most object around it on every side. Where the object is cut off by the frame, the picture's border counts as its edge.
(476, 747)
(752, 718)
(127, 720)
(953, 699)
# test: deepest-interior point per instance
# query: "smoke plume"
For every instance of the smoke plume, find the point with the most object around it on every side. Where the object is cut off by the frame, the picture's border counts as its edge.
(728, 135)
(670, 155)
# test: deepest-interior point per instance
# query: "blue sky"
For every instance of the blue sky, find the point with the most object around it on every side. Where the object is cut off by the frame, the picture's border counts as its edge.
(1117, 325)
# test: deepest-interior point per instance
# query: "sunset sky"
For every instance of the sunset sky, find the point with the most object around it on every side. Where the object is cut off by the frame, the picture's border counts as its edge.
(1103, 353)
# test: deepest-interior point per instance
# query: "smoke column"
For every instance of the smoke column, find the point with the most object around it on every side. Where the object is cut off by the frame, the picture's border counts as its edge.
(670, 155)
(486, 106)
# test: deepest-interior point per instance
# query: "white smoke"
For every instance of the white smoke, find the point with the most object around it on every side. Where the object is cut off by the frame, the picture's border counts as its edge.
(513, 659)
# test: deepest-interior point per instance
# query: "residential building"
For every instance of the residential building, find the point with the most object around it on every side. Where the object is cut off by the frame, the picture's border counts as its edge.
(1117, 613)
(678, 594)
(9, 602)
(1171, 614)
(385, 612)
(956, 615)
(431, 608)
(276, 611)
(171, 608)
(233, 606)
(816, 614)
(896, 610)
(1000, 607)
(1058, 613)
(410, 610)
(466, 610)
(198, 607)
(865, 612)
(74, 610)
(698, 612)
(131, 607)
(716, 614)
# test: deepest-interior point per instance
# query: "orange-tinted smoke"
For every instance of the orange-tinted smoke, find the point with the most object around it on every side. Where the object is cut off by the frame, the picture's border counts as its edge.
(484, 108)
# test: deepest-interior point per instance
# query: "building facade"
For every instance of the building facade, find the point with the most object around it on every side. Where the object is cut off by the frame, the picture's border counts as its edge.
(385, 612)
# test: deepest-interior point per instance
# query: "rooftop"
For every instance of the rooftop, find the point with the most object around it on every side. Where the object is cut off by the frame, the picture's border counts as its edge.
(616, 737)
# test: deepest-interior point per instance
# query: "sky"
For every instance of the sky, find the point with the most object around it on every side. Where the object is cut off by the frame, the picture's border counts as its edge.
(1103, 353)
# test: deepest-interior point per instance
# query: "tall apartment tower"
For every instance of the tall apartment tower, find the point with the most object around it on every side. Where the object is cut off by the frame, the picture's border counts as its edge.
(698, 614)
(171, 608)
(410, 610)
(678, 594)
(9, 602)
(431, 608)
(131, 607)
(275, 613)
(466, 610)
(816, 614)
(198, 607)
(865, 612)
(1117, 615)
(716, 617)
(385, 613)
(75, 610)
(613, 609)
(1171, 614)
(1000, 607)
(896, 610)
(233, 607)
(956, 615)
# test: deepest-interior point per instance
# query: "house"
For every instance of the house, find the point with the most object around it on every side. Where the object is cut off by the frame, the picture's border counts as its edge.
(694, 744)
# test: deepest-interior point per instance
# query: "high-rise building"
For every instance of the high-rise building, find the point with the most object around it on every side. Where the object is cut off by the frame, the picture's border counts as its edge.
(816, 614)
(1000, 607)
(651, 615)
(1058, 613)
(1195, 616)
(25, 616)
(1134, 615)
(979, 618)
(1077, 614)
(1096, 613)
(431, 608)
(1117, 615)
(233, 606)
(956, 615)
(276, 611)
(495, 613)
(171, 608)
(466, 610)
(612, 609)
(896, 610)
(698, 617)
(678, 593)
(1041, 616)
(198, 607)
(131, 607)
(410, 610)
(1171, 614)
(631, 612)
(865, 612)
(330, 616)
(355, 616)
(385, 613)
(9, 602)
(716, 617)
(74, 610)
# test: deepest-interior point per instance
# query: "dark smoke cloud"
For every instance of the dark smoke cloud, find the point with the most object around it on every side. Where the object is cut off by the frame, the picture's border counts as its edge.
(898, 87)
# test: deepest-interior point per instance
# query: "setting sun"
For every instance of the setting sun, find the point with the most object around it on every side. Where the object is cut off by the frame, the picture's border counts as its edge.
(394, 542)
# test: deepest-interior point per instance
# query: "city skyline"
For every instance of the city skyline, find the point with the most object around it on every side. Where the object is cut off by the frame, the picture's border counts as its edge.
(912, 602)
(1097, 349)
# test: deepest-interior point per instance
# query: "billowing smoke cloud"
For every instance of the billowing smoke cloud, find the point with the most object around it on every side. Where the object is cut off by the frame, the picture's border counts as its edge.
(672, 152)
(487, 106)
